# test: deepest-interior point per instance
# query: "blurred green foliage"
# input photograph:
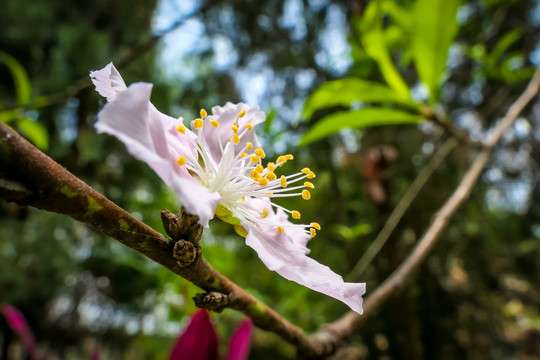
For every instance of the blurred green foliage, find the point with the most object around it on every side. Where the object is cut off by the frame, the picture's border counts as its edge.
(477, 293)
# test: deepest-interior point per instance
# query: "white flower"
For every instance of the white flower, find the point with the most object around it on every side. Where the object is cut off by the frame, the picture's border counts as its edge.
(216, 168)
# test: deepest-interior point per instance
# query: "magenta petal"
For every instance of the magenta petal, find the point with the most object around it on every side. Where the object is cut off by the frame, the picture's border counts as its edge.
(108, 82)
(198, 341)
(241, 341)
(18, 324)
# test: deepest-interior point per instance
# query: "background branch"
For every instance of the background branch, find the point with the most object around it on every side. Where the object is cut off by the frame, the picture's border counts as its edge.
(335, 332)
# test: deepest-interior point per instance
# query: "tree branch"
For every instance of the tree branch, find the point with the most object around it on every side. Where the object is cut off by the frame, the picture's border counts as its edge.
(335, 332)
(32, 178)
(401, 208)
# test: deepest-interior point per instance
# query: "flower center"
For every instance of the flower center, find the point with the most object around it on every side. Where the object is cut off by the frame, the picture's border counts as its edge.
(237, 172)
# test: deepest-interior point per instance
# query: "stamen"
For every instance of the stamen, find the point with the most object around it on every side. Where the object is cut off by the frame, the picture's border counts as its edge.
(260, 152)
(264, 213)
(198, 124)
(204, 114)
(315, 225)
(311, 175)
(306, 171)
(289, 157)
(215, 123)
(271, 176)
(263, 181)
(249, 126)
(259, 168)
(280, 229)
(234, 129)
(255, 175)
(283, 181)
(309, 185)
(236, 139)
(271, 166)
(312, 232)
(181, 129)
(306, 195)
(243, 155)
(249, 146)
(242, 113)
(181, 161)
(254, 158)
(296, 214)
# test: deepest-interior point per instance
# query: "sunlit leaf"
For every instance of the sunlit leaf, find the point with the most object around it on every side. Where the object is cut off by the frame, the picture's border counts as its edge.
(23, 88)
(346, 91)
(371, 32)
(435, 27)
(357, 119)
(35, 132)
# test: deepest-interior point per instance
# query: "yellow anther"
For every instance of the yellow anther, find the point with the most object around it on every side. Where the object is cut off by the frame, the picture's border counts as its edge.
(214, 122)
(249, 126)
(280, 159)
(249, 146)
(306, 171)
(181, 129)
(313, 232)
(296, 214)
(254, 158)
(306, 195)
(204, 114)
(283, 181)
(234, 129)
(263, 181)
(198, 123)
(289, 157)
(236, 139)
(254, 175)
(280, 229)
(243, 155)
(242, 113)
(311, 175)
(271, 166)
(309, 185)
(271, 176)
(264, 213)
(315, 225)
(259, 168)
(181, 161)
(269, 194)
(260, 152)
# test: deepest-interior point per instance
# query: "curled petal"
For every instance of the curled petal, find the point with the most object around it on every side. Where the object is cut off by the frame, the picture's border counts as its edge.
(241, 342)
(144, 130)
(285, 254)
(108, 82)
(198, 341)
(18, 324)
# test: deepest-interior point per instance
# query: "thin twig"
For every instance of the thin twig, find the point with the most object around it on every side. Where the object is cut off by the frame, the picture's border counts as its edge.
(343, 327)
(401, 208)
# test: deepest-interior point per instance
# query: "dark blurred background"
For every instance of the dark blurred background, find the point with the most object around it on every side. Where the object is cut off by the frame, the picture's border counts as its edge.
(475, 297)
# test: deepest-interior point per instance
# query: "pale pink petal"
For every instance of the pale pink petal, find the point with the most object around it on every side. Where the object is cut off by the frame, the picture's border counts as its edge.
(241, 342)
(227, 116)
(108, 82)
(285, 254)
(145, 131)
(198, 341)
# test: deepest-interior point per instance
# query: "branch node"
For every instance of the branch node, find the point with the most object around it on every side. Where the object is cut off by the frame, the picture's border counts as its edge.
(182, 226)
(185, 252)
(11, 190)
(213, 300)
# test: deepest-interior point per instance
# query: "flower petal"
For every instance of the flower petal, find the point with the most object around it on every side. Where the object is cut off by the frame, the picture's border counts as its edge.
(108, 81)
(198, 341)
(286, 254)
(241, 341)
(227, 116)
(18, 324)
(132, 119)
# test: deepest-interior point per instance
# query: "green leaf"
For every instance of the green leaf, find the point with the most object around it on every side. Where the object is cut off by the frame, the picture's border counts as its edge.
(435, 27)
(35, 132)
(269, 120)
(346, 91)
(357, 119)
(371, 32)
(23, 88)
